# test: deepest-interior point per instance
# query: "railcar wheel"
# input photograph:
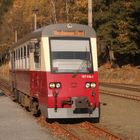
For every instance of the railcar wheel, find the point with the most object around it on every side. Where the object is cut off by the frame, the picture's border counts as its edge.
(28, 104)
(16, 95)
(13, 95)
(35, 109)
(38, 113)
(27, 108)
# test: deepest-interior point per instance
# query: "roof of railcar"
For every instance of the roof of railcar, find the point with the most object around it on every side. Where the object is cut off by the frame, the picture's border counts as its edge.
(49, 31)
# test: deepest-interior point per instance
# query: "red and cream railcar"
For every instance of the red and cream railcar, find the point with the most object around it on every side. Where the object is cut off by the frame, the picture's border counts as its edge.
(54, 71)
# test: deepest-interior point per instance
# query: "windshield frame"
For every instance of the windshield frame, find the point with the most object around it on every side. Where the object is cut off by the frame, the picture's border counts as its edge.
(71, 38)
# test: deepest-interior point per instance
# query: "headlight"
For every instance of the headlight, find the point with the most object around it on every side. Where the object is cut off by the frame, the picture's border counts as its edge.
(55, 85)
(52, 85)
(87, 85)
(92, 85)
(58, 85)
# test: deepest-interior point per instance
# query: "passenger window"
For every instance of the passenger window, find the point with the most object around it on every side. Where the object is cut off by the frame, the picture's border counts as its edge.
(13, 60)
(18, 53)
(37, 55)
(28, 50)
(21, 53)
(24, 51)
(14, 56)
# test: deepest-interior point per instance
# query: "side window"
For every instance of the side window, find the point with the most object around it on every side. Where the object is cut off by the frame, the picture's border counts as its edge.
(21, 53)
(33, 52)
(27, 56)
(12, 59)
(28, 50)
(16, 59)
(24, 51)
(14, 56)
(18, 53)
(37, 55)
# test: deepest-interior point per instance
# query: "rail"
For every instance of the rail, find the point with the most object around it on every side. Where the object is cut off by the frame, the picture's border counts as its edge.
(67, 130)
(129, 87)
(82, 130)
(122, 95)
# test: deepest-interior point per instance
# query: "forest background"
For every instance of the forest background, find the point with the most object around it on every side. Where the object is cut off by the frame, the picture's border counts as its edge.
(117, 23)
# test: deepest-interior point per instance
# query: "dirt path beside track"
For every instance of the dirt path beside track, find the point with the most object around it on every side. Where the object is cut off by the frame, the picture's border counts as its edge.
(17, 124)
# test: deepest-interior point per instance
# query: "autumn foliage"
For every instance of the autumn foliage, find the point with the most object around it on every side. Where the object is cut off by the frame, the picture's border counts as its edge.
(116, 22)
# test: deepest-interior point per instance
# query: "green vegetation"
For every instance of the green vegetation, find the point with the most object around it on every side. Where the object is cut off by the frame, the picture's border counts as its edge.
(117, 22)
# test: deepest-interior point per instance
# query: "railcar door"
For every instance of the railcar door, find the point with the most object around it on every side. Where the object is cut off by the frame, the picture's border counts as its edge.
(35, 72)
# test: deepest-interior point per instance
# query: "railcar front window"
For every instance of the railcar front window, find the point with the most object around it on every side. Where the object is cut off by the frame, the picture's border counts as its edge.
(71, 55)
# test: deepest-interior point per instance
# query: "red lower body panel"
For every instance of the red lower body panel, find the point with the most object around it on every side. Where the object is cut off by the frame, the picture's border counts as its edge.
(72, 95)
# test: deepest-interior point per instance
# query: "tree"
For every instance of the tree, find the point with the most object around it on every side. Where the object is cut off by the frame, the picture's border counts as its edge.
(116, 22)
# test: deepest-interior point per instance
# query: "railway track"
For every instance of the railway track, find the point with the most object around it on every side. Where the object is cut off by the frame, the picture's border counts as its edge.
(122, 95)
(99, 131)
(79, 131)
(121, 90)
(129, 87)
